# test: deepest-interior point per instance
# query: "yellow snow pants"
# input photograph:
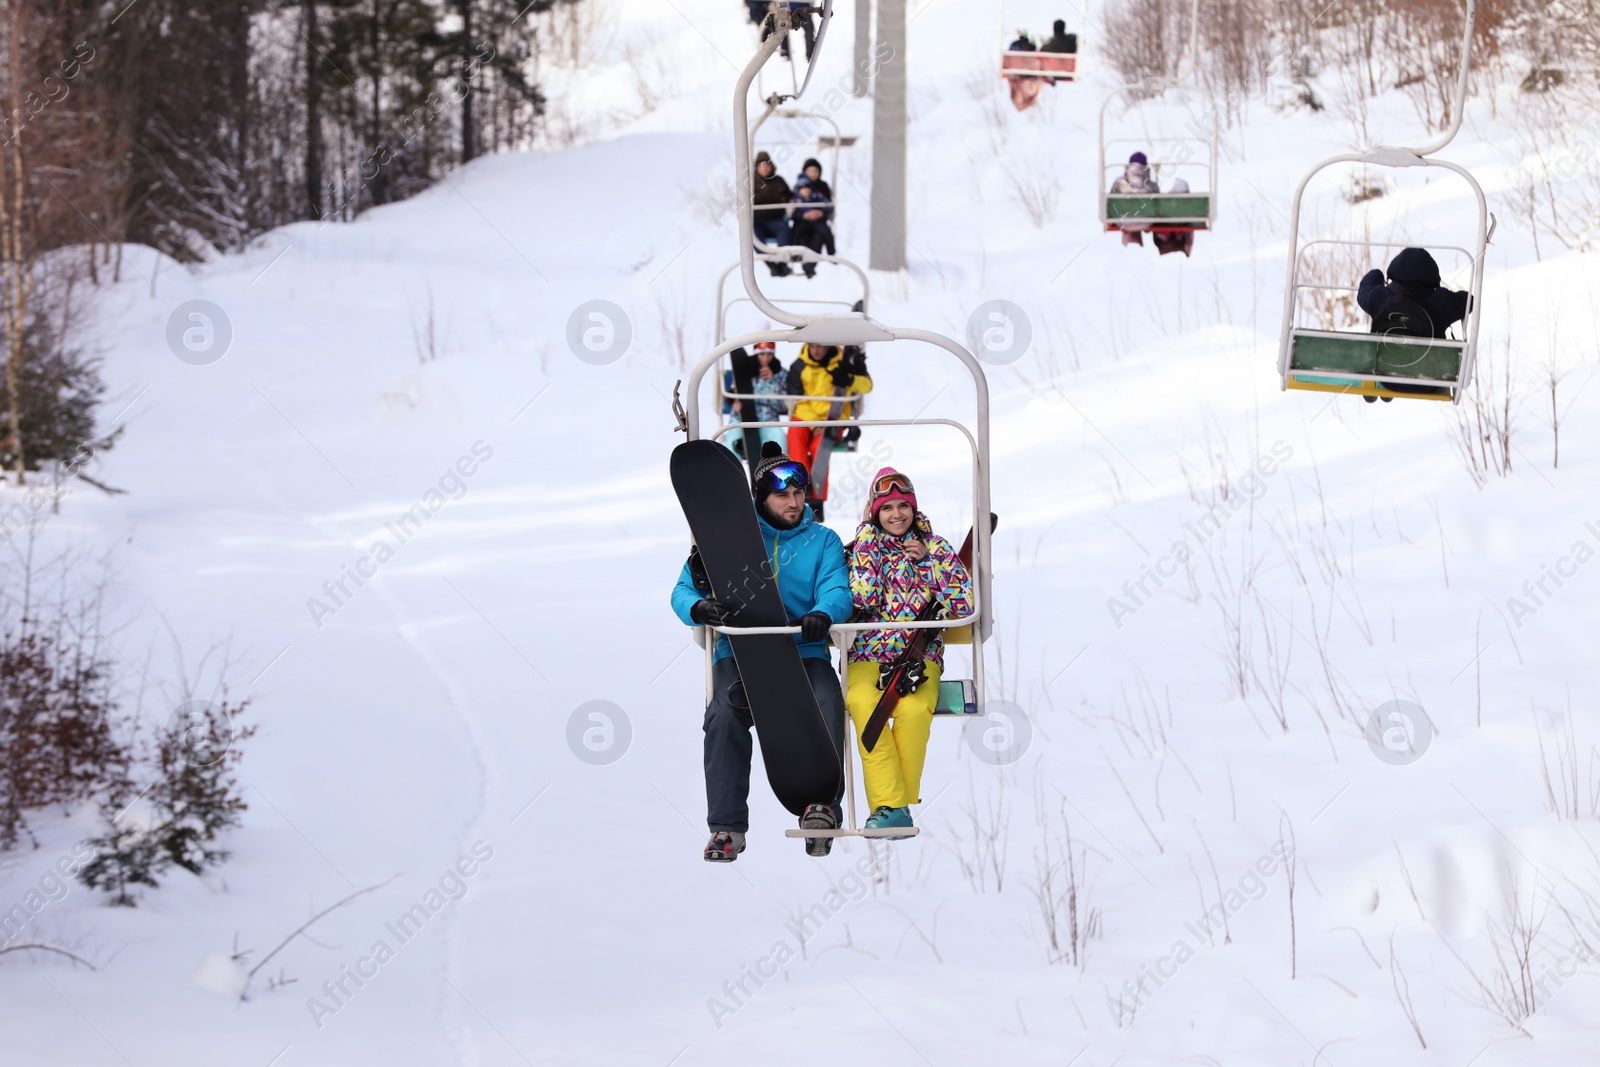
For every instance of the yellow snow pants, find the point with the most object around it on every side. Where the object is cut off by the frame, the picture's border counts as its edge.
(893, 769)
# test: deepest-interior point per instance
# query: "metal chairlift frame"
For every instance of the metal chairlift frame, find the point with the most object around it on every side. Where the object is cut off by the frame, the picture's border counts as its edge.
(1163, 212)
(1346, 354)
(724, 304)
(776, 110)
(783, 25)
(854, 328)
(1075, 73)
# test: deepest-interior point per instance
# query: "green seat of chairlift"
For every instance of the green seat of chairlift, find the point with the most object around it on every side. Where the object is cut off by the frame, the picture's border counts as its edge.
(1367, 355)
(1165, 206)
(957, 697)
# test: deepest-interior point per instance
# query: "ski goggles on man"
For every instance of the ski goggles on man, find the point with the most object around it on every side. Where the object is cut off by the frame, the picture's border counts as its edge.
(889, 483)
(783, 477)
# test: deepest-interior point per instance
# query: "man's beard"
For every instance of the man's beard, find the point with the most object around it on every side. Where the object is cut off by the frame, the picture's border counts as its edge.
(777, 521)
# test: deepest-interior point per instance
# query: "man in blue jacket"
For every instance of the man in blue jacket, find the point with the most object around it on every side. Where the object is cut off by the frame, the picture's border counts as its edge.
(814, 583)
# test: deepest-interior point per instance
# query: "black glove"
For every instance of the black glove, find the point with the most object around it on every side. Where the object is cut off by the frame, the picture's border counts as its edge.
(910, 678)
(814, 626)
(885, 672)
(843, 378)
(712, 612)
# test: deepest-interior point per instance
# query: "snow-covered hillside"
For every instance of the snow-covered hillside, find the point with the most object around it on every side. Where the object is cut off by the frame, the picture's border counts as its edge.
(1188, 733)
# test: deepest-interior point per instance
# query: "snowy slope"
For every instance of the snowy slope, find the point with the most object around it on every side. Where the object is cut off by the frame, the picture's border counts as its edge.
(424, 721)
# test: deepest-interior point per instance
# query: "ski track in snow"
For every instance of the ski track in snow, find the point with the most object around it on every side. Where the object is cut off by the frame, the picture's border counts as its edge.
(452, 1018)
(450, 1009)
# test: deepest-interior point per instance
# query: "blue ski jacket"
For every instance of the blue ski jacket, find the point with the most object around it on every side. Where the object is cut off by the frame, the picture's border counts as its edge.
(812, 576)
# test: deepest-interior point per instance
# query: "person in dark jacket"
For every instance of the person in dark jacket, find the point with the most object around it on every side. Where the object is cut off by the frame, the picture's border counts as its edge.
(1060, 40)
(1063, 43)
(810, 226)
(1413, 282)
(771, 223)
(808, 563)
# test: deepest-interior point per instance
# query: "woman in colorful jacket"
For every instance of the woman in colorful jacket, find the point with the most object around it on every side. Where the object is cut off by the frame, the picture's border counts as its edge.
(897, 565)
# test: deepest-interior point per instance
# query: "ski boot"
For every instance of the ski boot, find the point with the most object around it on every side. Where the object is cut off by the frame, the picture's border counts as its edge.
(886, 817)
(819, 817)
(724, 846)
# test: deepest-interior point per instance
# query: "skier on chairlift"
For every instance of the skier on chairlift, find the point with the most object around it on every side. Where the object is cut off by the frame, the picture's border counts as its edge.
(1181, 240)
(809, 226)
(1060, 42)
(1024, 87)
(1135, 179)
(769, 380)
(826, 372)
(772, 223)
(808, 563)
(1413, 304)
(898, 565)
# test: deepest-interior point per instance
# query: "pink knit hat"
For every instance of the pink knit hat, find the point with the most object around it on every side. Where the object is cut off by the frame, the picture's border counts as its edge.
(889, 484)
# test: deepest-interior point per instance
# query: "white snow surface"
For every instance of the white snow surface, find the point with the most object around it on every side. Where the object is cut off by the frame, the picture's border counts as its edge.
(425, 721)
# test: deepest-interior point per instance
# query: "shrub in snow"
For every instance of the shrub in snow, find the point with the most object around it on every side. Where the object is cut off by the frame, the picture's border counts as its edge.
(58, 383)
(56, 726)
(192, 796)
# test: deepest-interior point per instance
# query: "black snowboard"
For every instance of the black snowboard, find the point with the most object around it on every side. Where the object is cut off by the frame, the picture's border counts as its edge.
(804, 766)
(744, 381)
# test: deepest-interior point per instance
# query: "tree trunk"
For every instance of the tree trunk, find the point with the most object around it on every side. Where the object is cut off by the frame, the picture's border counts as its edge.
(313, 114)
(469, 136)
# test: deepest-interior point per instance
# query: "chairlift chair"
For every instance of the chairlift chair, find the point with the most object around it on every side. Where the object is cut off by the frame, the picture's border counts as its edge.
(1057, 66)
(1367, 364)
(959, 698)
(798, 253)
(1162, 213)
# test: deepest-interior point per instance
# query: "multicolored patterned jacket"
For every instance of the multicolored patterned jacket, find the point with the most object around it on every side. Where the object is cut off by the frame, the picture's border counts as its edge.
(888, 585)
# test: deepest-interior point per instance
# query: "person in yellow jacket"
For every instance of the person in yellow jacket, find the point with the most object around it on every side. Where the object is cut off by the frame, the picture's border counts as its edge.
(827, 372)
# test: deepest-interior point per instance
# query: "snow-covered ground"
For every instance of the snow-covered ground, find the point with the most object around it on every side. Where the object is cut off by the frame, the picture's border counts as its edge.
(1340, 556)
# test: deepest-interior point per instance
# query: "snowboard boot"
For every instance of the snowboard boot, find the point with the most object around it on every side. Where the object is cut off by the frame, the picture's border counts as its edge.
(886, 817)
(819, 817)
(724, 846)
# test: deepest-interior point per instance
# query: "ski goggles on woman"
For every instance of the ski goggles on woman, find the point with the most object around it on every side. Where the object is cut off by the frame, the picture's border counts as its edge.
(889, 483)
(785, 476)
